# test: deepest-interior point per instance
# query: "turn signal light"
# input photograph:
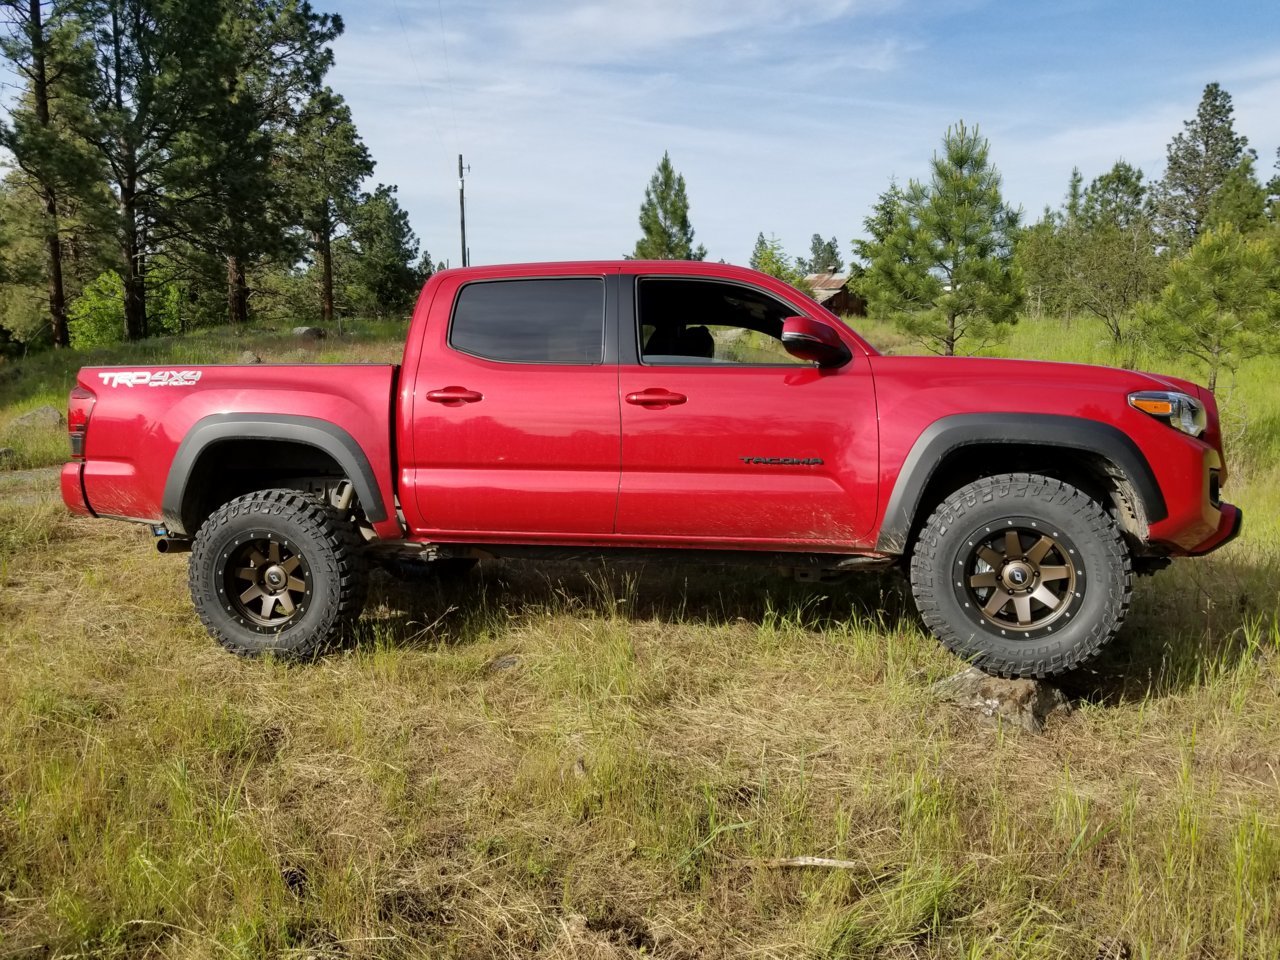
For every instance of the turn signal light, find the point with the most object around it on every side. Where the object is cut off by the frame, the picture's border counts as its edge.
(1180, 411)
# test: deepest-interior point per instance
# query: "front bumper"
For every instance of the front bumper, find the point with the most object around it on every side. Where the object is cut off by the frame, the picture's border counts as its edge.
(1228, 530)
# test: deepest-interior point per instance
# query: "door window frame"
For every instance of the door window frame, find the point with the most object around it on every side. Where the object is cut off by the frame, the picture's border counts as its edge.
(609, 314)
(631, 352)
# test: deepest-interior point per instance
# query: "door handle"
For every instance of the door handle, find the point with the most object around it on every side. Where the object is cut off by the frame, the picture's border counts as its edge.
(454, 396)
(656, 397)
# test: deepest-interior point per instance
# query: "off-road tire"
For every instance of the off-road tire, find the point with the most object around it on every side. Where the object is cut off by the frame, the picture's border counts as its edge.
(333, 572)
(1088, 553)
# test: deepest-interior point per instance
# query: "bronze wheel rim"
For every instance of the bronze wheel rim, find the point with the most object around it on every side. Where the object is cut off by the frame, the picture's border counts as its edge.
(267, 582)
(1019, 577)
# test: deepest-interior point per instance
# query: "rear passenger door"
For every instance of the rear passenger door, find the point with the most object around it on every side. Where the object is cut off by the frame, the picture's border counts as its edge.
(515, 412)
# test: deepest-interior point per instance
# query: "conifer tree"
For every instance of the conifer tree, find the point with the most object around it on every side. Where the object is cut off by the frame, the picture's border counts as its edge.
(666, 233)
(1116, 198)
(824, 257)
(42, 45)
(1200, 158)
(945, 270)
(378, 254)
(1241, 200)
(1222, 304)
(326, 162)
(159, 78)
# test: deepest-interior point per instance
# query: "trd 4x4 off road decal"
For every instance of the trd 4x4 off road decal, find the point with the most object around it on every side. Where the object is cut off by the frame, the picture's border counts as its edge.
(149, 378)
(783, 461)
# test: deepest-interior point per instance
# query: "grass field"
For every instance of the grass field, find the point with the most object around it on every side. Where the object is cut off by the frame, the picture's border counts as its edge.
(589, 763)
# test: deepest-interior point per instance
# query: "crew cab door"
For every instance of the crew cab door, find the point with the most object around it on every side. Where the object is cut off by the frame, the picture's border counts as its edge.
(728, 439)
(515, 429)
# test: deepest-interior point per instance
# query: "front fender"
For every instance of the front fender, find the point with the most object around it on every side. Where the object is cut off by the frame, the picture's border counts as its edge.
(944, 436)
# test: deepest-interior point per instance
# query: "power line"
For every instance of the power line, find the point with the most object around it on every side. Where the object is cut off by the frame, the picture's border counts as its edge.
(448, 78)
(426, 97)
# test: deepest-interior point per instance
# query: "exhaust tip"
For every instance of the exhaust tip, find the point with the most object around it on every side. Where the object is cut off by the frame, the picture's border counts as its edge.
(172, 545)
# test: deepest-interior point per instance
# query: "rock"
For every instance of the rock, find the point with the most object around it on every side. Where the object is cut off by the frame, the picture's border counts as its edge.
(249, 357)
(1028, 704)
(39, 418)
(8, 456)
(310, 333)
(507, 662)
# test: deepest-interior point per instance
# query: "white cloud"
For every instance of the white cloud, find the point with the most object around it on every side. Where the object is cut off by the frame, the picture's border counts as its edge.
(787, 118)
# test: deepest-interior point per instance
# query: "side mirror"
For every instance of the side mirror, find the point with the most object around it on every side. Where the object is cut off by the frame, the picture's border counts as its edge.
(810, 340)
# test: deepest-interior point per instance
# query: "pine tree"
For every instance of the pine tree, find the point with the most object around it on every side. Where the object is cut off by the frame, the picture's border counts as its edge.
(770, 258)
(326, 162)
(43, 48)
(278, 52)
(160, 67)
(666, 233)
(1075, 195)
(1241, 200)
(1222, 304)
(824, 257)
(885, 215)
(945, 270)
(1117, 198)
(377, 255)
(1103, 261)
(1200, 158)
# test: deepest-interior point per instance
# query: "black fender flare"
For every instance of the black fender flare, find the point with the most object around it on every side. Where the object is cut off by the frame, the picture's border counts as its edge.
(312, 432)
(944, 436)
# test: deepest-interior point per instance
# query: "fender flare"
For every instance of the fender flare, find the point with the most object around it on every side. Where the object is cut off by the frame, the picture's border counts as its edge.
(943, 437)
(312, 432)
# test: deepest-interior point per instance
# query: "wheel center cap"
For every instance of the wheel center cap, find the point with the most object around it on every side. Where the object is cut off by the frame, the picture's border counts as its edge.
(1017, 574)
(274, 578)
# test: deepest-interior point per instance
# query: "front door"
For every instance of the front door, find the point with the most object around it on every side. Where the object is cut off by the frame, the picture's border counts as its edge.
(727, 438)
(515, 412)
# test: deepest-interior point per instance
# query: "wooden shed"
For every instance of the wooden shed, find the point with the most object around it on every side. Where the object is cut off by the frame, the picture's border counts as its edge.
(831, 290)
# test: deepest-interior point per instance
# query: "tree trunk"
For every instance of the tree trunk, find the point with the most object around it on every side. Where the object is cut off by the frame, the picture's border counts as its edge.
(135, 279)
(237, 292)
(324, 249)
(53, 241)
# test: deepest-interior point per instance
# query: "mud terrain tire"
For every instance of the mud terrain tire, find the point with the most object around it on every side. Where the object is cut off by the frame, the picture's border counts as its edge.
(277, 571)
(1021, 575)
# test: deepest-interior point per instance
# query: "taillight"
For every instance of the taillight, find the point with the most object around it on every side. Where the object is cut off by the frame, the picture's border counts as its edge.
(79, 407)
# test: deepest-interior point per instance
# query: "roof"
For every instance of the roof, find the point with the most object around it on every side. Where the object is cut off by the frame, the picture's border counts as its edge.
(826, 285)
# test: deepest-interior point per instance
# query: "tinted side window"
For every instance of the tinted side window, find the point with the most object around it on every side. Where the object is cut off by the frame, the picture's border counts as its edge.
(531, 321)
(685, 322)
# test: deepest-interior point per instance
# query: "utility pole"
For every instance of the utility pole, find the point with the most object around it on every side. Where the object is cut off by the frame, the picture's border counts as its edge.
(462, 210)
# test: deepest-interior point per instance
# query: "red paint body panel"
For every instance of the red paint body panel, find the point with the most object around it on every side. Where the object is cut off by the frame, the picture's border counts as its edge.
(535, 456)
(134, 431)
(72, 489)
(555, 454)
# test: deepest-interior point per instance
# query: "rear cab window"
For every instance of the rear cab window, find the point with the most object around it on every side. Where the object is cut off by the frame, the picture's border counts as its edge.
(559, 320)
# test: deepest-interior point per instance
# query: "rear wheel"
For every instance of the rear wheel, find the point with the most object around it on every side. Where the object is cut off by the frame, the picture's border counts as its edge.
(277, 571)
(1022, 575)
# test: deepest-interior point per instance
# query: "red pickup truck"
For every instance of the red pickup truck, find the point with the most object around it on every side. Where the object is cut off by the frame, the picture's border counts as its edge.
(673, 409)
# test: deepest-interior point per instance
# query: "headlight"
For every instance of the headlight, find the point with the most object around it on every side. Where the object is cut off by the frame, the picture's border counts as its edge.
(1180, 411)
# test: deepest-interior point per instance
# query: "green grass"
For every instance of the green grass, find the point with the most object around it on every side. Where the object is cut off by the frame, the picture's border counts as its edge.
(627, 785)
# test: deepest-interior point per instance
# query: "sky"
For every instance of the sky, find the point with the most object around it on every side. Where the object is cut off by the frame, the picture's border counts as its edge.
(786, 117)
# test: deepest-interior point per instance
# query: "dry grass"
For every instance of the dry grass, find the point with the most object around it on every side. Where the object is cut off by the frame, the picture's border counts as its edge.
(584, 764)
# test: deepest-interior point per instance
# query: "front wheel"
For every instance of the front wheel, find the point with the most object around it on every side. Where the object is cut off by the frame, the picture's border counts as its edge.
(1022, 575)
(277, 571)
